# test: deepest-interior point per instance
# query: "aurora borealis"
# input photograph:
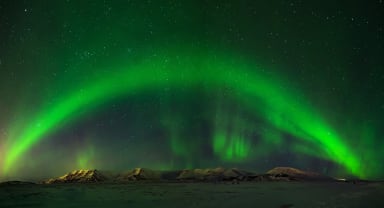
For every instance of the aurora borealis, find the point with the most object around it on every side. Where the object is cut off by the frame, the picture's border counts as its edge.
(165, 84)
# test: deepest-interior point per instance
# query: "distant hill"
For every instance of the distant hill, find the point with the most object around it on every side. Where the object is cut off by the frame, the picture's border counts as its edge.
(10, 183)
(296, 174)
(191, 175)
(140, 174)
(79, 176)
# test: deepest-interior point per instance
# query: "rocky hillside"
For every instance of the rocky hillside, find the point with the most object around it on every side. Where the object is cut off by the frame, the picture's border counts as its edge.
(139, 174)
(213, 175)
(79, 176)
(296, 174)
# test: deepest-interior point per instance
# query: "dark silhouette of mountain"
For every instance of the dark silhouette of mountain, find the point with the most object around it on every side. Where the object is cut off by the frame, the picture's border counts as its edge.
(11, 183)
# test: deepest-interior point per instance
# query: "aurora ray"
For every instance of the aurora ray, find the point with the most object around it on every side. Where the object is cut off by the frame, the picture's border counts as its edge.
(282, 108)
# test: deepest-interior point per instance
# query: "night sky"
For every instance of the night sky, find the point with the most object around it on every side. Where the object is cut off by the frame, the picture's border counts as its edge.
(115, 85)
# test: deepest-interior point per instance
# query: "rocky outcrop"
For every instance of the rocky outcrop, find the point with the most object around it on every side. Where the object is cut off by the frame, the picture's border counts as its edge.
(290, 174)
(139, 174)
(199, 174)
(191, 175)
(79, 176)
(216, 174)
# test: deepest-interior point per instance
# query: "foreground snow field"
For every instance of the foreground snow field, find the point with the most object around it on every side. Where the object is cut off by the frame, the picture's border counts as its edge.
(223, 194)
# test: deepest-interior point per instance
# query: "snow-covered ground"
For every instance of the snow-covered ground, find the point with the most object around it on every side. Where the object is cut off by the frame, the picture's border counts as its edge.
(147, 194)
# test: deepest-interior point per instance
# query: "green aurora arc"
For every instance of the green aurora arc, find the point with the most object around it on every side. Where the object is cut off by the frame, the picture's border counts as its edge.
(268, 97)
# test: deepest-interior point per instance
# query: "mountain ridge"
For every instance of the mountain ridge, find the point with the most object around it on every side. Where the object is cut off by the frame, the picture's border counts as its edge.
(188, 175)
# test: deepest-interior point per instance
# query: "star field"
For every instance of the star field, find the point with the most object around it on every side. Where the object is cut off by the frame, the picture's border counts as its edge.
(169, 84)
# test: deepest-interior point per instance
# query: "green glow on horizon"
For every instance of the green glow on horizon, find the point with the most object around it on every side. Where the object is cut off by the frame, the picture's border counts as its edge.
(230, 148)
(282, 108)
(230, 141)
(85, 157)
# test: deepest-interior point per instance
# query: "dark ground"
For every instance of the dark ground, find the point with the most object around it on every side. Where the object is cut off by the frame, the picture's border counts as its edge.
(246, 194)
